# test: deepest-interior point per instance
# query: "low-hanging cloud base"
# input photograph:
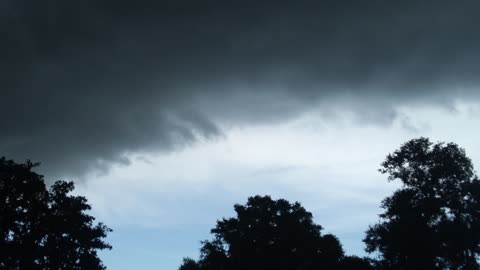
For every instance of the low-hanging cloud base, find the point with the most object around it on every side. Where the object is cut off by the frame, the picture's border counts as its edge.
(86, 84)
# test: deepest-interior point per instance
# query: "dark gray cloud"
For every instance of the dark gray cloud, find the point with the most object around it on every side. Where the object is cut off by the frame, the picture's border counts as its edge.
(85, 83)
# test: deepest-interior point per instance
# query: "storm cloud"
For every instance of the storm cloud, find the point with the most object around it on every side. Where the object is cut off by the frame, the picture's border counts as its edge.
(86, 83)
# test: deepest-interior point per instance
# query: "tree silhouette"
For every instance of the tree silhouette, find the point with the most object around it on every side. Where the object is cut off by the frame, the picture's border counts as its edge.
(356, 263)
(190, 264)
(270, 234)
(44, 228)
(433, 221)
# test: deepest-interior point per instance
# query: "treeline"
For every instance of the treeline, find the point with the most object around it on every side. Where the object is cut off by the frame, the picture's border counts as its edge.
(431, 222)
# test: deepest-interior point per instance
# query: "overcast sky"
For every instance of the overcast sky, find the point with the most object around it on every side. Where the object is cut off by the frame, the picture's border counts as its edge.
(166, 113)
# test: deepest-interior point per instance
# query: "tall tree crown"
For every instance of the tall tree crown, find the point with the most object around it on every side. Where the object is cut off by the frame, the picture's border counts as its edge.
(272, 234)
(45, 229)
(433, 221)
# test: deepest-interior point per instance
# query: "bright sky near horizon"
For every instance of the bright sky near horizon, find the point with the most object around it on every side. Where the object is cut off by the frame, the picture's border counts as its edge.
(161, 206)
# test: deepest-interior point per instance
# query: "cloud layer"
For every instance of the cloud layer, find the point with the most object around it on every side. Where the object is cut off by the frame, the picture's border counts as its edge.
(85, 84)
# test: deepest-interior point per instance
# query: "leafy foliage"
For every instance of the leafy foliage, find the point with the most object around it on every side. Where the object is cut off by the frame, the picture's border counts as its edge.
(189, 264)
(44, 228)
(270, 234)
(433, 221)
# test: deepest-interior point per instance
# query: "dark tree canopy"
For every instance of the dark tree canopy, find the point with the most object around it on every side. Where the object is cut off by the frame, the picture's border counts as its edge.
(270, 234)
(189, 264)
(357, 263)
(45, 229)
(433, 221)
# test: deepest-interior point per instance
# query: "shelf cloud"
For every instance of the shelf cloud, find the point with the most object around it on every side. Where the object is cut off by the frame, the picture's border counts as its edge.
(84, 85)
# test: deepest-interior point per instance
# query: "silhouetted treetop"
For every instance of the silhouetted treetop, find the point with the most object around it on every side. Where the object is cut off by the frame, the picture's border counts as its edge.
(419, 163)
(433, 221)
(190, 264)
(45, 229)
(269, 234)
